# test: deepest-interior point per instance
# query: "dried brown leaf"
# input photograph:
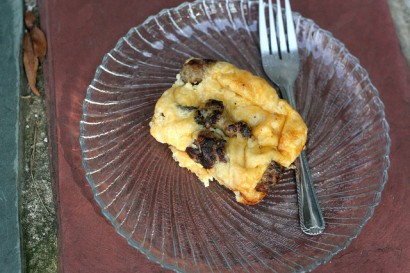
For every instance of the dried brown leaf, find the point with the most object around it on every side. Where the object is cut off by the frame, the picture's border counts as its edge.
(30, 63)
(29, 20)
(39, 43)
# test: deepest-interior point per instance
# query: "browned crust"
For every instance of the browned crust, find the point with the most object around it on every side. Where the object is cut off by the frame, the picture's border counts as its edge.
(269, 179)
(252, 202)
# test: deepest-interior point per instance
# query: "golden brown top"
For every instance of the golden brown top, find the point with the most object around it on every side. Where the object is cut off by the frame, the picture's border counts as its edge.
(278, 132)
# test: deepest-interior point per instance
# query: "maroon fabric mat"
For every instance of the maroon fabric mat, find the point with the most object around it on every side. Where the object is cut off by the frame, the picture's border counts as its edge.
(79, 34)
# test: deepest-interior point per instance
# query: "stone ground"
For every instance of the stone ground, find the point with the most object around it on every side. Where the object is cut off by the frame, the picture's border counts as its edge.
(38, 214)
(39, 225)
(400, 10)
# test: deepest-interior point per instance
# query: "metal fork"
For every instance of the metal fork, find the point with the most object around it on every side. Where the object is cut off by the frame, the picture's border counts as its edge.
(280, 60)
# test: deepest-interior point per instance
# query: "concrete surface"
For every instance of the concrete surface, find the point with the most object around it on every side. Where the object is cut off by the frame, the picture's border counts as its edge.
(10, 85)
(38, 213)
(39, 225)
(400, 10)
(38, 221)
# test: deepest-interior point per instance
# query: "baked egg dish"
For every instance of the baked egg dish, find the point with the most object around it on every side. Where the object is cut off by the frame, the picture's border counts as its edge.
(224, 123)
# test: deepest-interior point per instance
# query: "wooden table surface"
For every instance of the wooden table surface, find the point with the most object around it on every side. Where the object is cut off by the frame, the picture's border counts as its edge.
(81, 32)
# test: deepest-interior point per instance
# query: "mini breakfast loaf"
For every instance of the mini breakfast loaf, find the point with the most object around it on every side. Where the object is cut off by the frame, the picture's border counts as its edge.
(226, 124)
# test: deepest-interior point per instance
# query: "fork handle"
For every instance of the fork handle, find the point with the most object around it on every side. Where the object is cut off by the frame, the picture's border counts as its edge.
(310, 215)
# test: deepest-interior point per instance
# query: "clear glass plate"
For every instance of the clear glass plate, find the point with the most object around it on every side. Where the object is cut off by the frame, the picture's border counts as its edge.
(165, 212)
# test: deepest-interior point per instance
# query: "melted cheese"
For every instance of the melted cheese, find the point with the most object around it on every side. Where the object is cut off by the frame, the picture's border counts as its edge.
(278, 131)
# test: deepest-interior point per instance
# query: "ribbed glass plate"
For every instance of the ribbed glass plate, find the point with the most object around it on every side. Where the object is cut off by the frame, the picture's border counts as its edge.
(165, 212)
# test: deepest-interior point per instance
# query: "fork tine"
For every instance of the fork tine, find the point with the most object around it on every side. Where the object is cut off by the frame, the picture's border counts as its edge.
(281, 30)
(272, 27)
(263, 33)
(290, 27)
